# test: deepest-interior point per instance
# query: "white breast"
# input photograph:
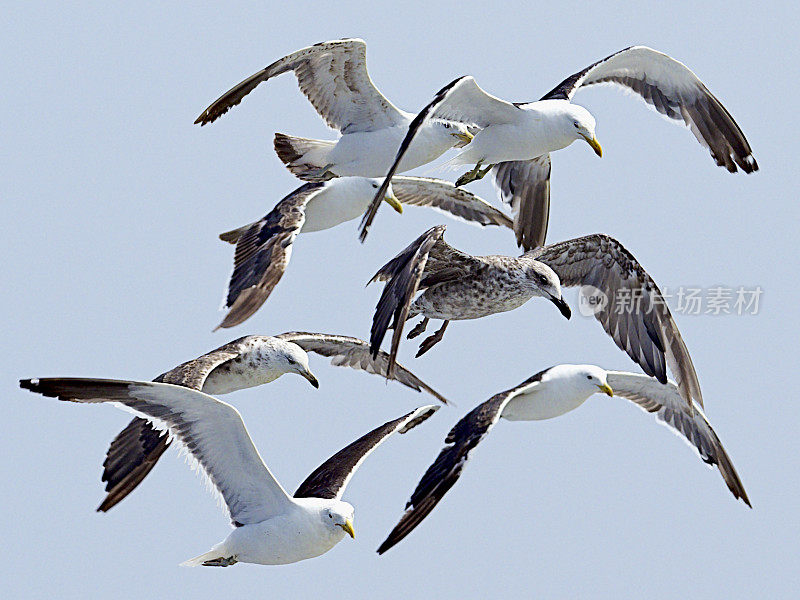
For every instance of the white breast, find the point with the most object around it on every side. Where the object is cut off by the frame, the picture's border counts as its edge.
(282, 540)
(371, 153)
(333, 206)
(551, 398)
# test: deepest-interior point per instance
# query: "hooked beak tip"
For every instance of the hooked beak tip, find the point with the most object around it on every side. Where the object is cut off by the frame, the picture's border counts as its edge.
(606, 389)
(348, 528)
(562, 306)
(311, 379)
(598, 149)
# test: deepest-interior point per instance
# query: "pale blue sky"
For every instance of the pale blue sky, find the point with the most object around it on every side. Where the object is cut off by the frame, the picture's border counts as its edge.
(113, 201)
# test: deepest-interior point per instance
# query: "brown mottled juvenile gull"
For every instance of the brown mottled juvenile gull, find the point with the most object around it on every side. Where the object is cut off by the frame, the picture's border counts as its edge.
(456, 285)
(552, 393)
(246, 362)
(516, 138)
(270, 527)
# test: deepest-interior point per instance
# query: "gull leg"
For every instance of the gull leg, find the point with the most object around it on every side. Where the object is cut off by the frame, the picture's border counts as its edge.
(482, 174)
(430, 341)
(418, 328)
(469, 176)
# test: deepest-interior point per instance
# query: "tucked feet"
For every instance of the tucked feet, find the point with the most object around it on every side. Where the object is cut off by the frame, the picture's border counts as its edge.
(430, 341)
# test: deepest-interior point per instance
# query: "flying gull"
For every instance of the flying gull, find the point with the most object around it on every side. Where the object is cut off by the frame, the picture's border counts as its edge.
(552, 393)
(270, 527)
(516, 138)
(247, 362)
(263, 248)
(457, 285)
(333, 76)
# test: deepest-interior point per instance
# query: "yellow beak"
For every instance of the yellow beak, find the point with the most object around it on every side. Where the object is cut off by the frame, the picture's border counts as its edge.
(393, 202)
(606, 389)
(348, 528)
(595, 146)
(463, 137)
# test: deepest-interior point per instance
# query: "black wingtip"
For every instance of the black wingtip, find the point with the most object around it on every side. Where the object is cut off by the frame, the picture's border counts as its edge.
(29, 384)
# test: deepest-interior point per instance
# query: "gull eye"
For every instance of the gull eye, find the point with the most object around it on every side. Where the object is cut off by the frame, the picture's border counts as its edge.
(375, 186)
(588, 377)
(576, 124)
(330, 516)
(291, 360)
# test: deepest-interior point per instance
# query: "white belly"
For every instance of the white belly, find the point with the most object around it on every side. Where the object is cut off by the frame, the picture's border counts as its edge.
(329, 210)
(537, 407)
(280, 541)
(371, 153)
(499, 143)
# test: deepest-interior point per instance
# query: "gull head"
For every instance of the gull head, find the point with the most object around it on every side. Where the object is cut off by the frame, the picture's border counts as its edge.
(291, 358)
(547, 284)
(370, 186)
(592, 379)
(581, 124)
(452, 133)
(339, 518)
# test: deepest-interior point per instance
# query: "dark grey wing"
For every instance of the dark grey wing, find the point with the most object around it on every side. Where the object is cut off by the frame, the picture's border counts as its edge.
(670, 409)
(447, 467)
(525, 185)
(446, 197)
(345, 351)
(634, 312)
(212, 432)
(130, 457)
(137, 448)
(333, 76)
(413, 127)
(262, 254)
(672, 89)
(403, 272)
(330, 479)
(427, 261)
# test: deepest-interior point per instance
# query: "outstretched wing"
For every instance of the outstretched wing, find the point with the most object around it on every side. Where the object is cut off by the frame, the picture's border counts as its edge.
(427, 261)
(668, 405)
(413, 127)
(447, 467)
(634, 312)
(525, 185)
(330, 479)
(263, 250)
(333, 76)
(673, 90)
(446, 197)
(345, 351)
(137, 448)
(212, 432)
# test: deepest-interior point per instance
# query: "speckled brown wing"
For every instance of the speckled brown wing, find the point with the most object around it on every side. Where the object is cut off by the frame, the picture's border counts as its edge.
(345, 351)
(262, 254)
(333, 76)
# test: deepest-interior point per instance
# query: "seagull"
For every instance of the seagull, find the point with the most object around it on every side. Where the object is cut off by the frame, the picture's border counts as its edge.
(270, 527)
(333, 76)
(516, 138)
(457, 285)
(246, 362)
(549, 394)
(263, 248)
